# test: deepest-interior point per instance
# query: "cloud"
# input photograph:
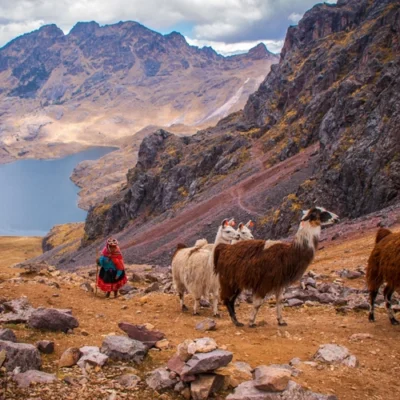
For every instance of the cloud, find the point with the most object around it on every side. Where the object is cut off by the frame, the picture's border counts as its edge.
(228, 21)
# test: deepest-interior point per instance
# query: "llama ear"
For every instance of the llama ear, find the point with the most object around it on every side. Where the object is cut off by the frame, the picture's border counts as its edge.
(304, 212)
(250, 224)
(225, 223)
(232, 222)
(240, 226)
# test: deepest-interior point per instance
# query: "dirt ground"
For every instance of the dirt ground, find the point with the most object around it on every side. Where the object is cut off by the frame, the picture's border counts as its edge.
(308, 327)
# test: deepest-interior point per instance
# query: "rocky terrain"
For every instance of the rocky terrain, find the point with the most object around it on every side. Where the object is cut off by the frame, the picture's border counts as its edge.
(100, 84)
(128, 348)
(322, 128)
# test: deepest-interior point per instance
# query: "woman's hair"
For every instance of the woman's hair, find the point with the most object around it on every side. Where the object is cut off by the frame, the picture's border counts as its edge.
(112, 242)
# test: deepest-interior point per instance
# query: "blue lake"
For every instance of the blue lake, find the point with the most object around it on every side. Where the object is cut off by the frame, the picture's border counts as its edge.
(38, 194)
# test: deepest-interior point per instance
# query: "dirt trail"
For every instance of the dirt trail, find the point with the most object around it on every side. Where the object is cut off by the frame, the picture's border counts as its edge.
(375, 378)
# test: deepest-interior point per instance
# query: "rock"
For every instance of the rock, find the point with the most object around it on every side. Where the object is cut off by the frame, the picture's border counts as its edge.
(203, 345)
(121, 348)
(17, 311)
(24, 379)
(175, 364)
(326, 298)
(70, 357)
(182, 350)
(162, 344)
(8, 334)
(45, 346)
(91, 355)
(136, 277)
(154, 287)
(206, 325)
(350, 361)
(126, 289)
(271, 379)
(160, 380)
(87, 287)
(334, 354)
(248, 391)
(151, 278)
(24, 356)
(295, 361)
(294, 302)
(128, 381)
(141, 333)
(52, 319)
(206, 362)
(292, 370)
(235, 373)
(360, 336)
(204, 303)
(205, 385)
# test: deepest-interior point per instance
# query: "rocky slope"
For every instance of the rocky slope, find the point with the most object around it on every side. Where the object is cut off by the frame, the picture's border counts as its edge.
(322, 128)
(96, 85)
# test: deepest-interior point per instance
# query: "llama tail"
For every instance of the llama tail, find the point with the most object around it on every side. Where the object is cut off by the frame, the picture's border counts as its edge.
(179, 246)
(382, 233)
(217, 253)
(199, 245)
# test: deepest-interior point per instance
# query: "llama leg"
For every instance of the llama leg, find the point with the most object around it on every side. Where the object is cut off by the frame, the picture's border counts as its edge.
(388, 291)
(215, 306)
(278, 297)
(257, 302)
(196, 306)
(230, 304)
(372, 297)
(181, 300)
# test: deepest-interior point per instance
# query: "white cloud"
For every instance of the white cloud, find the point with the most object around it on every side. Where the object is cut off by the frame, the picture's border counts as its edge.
(294, 17)
(228, 49)
(228, 21)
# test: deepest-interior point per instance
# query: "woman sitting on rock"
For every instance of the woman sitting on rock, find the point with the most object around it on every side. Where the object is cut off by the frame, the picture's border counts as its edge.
(112, 272)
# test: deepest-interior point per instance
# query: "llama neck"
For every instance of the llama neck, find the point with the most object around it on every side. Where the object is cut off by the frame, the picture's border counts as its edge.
(307, 236)
(218, 239)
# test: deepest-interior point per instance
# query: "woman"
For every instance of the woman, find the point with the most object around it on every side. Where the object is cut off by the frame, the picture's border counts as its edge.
(112, 272)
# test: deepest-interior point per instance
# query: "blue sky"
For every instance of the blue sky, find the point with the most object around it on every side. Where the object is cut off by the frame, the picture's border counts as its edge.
(230, 26)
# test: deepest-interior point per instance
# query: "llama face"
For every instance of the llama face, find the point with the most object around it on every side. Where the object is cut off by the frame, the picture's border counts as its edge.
(245, 232)
(319, 216)
(228, 233)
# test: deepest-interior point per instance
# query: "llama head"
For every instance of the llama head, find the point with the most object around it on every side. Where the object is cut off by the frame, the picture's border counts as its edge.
(226, 232)
(319, 216)
(245, 232)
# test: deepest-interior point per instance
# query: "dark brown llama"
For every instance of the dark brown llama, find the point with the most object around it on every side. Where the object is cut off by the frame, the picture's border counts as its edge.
(384, 267)
(268, 266)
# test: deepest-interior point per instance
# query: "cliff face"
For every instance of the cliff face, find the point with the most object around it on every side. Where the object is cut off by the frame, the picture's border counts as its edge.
(322, 128)
(99, 84)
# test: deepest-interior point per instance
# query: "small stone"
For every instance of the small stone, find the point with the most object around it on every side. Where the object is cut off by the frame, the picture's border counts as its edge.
(294, 302)
(84, 333)
(182, 350)
(70, 357)
(128, 381)
(205, 385)
(206, 362)
(154, 287)
(295, 361)
(160, 381)
(45, 346)
(123, 349)
(52, 319)
(271, 379)
(126, 289)
(141, 333)
(25, 379)
(360, 336)
(8, 334)
(91, 356)
(87, 287)
(202, 345)
(235, 373)
(206, 325)
(175, 364)
(162, 344)
(124, 307)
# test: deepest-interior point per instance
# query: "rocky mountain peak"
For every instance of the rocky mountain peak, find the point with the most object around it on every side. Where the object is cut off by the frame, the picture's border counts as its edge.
(82, 29)
(259, 52)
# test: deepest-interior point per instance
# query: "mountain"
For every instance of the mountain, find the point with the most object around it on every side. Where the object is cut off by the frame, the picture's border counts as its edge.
(100, 84)
(322, 128)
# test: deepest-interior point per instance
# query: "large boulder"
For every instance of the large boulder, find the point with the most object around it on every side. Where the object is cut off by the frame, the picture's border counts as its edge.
(70, 357)
(52, 319)
(124, 349)
(7, 334)
(141, 333)
(20, 355)
(207, 362)
(24, 379)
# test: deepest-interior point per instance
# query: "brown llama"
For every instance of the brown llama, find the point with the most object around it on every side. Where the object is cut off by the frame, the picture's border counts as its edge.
(268, 266)
(384, 267)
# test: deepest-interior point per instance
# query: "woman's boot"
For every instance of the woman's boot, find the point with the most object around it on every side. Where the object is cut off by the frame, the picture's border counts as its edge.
(108, 294)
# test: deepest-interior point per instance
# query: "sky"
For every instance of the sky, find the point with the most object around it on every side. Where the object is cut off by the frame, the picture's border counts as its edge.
(229, 26)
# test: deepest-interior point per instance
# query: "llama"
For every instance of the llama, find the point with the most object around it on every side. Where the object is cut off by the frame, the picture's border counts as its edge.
(266, 266)
(193, 271)
(244, 232)
(384, 267)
